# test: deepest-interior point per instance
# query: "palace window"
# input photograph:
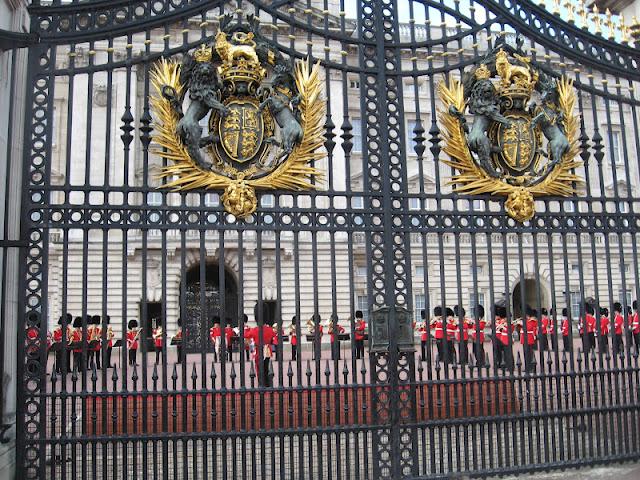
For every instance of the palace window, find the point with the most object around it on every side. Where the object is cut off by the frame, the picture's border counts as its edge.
(420, 271)
(473, 301)
(576, 301)
(362, 304)
(418, 305)
(616, 152)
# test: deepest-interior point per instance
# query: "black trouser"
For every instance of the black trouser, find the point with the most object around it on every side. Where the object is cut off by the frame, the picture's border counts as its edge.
(440, 348)
(108, 359)
(604, 344)
(59, 354)
(464, 352)
(179, 354)
(96, 354)
(317, 350)
(618, 344)
(423, 349)
(265, 378)
(478, 351)
(636, 340)
(132, 356)
(507, 356)
(449, 352)
(78, 361)
(90, 361)
(591, 341)
(566, 341)
(335, 350)
(529, 358)
(544, 342)
(360, 348)
(294, 352)
(158, 353)
(230, 351)
(499, 360)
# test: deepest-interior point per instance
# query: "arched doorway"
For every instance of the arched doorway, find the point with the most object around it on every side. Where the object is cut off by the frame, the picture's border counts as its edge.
(202, 303)
(527, 289)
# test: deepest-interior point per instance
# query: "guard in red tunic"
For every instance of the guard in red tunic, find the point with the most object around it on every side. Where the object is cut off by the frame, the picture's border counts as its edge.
(618, 329)
(228, 338)
(214, 336)
(59, 342)
(133, 335)
(156, 334)
(421, 327)
(566, 326)
(590, 324)
(361, 327)
(528, 339)
(293, 338)
(604, 330)
(450, 330)
(110, 336)
(335, 330)
(437, 325)
(262, 338)
(77, 340)
(635, 326)
(177, 339)
(476, 331)
(547, 328)
(462, 334)
(504, 354)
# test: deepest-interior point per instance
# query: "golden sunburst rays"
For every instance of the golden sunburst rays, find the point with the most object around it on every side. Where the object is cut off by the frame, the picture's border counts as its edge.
(294, 173)
(473, 180)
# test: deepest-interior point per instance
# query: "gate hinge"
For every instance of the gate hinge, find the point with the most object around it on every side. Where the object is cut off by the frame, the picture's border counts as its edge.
(379, 331)
(10, 40)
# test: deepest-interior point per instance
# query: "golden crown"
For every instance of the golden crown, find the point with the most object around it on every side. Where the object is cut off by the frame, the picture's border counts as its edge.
(482, 72)
(241, 69)
(203, 53)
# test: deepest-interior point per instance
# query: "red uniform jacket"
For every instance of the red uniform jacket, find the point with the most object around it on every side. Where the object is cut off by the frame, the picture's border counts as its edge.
(76, 337)
(452, 328)
(532, 331)
(618, 324)
(228, 335)
(438, 328)
(635, 323)
(423, 331)
(502, 330)
(604, 325)
(473, 331)
(565, 327)
(465, 330)
(547, 325)
(157, 337)
(214, 332)
(95, 335)
(591, 323)
(360, 327)
(340, 329)
(132, 339)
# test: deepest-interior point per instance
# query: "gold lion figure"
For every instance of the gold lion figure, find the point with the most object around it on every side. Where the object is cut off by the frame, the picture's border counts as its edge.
(240, 199)
(229, 52)
(509, 73)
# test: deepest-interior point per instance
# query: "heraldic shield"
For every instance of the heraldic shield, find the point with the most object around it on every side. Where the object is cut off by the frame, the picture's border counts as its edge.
(523, 141)
(264, 115)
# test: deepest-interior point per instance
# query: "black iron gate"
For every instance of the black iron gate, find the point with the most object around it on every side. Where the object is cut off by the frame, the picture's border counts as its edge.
(384, 235)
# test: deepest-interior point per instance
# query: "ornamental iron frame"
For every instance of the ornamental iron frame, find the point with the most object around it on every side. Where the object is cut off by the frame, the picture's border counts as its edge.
(391, 436)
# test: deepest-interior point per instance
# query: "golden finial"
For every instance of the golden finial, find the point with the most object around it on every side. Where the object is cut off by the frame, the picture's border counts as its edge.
(542, 4)
(584, 15)
(556, 7)
(624, 31)
(610, 27)
(597, 21)
(570, 12)
(634, 30)
(203, 54)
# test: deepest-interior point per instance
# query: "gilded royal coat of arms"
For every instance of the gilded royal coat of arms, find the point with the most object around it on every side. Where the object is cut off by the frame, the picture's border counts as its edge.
(523, 141)
(236, 115)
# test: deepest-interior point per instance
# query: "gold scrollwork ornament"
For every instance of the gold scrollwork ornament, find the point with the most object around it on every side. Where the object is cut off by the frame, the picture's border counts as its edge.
(504, 151)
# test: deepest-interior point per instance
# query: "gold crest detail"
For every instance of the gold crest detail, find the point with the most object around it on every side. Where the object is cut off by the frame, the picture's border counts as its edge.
(504, 153)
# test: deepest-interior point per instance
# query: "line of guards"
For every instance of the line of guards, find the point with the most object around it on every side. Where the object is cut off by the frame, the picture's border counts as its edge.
(537, 329)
